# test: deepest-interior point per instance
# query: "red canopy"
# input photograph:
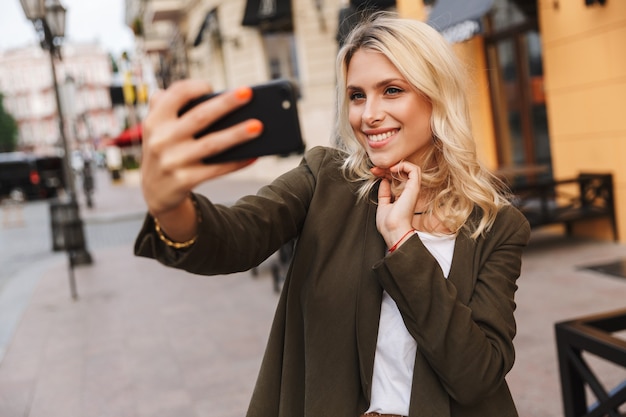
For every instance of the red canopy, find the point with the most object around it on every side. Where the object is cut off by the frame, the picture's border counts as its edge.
(130, 136)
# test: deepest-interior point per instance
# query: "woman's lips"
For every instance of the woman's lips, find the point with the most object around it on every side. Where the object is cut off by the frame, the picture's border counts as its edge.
(378, 139)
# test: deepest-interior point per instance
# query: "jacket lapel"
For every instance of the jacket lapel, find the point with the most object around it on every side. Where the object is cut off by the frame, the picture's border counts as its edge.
(369, 297)
(463, 266)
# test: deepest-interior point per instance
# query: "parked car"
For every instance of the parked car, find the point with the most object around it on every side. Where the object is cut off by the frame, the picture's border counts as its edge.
(35, 177)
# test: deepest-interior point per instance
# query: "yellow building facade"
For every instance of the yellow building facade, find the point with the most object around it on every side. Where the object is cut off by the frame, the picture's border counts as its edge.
(584, 88)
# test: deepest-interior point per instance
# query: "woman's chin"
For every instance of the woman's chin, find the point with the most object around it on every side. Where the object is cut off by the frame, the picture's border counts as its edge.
(383, 164)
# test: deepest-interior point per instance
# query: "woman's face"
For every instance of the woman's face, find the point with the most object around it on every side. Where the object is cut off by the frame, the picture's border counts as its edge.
(389, 117)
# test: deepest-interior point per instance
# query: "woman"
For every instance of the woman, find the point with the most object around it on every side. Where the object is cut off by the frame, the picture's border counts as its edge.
(400, 296)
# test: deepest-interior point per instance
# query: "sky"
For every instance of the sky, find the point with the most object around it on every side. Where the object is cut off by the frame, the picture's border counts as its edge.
(100, 21)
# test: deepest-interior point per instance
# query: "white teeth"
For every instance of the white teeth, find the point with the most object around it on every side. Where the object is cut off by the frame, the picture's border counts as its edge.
(381, 136)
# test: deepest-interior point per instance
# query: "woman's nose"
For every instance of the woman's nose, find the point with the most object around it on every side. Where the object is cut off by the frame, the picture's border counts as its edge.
(372, 113)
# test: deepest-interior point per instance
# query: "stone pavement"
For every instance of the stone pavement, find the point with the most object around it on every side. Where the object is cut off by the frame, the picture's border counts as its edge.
(143, 340)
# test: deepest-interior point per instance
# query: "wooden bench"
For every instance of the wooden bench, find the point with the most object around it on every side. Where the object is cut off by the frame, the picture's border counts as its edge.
(588, 196)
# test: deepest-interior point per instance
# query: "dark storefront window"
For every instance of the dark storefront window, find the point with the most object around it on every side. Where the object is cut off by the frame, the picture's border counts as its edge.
(516, 76)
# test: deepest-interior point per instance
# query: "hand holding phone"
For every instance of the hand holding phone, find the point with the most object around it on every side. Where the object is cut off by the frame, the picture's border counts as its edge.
(275, 105)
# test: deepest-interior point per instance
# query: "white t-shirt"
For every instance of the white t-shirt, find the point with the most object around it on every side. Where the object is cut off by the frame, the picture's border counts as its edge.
(395, 348)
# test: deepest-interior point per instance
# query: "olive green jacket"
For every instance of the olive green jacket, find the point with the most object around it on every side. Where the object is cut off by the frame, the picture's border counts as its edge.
(320, 355)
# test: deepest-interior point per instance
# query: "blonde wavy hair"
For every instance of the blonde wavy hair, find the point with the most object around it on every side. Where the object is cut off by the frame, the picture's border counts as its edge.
(452, 175)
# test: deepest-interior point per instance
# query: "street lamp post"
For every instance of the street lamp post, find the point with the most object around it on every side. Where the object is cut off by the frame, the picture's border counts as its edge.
(48, 17)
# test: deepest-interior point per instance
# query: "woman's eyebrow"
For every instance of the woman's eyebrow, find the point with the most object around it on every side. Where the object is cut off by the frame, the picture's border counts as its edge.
(379, 84)
(389, 81)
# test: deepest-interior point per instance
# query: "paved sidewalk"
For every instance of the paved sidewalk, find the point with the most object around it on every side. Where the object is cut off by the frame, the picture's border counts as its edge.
(148, 341)
(142, 340)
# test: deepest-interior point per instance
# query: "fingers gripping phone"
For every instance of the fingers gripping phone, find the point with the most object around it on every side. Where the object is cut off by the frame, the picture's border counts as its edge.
(273, 103)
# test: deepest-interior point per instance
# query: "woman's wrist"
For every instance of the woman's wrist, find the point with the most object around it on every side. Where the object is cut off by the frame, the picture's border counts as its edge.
(178, 227)
(168, 241)
(399, 242)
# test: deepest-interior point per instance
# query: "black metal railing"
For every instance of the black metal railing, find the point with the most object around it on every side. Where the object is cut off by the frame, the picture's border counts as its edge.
(595, 335)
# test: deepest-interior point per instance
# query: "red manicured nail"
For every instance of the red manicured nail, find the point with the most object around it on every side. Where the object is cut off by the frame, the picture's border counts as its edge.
(254, 127)
(243, 93)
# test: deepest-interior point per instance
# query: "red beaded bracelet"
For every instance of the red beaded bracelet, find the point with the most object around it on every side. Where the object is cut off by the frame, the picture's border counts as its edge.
(394, 247)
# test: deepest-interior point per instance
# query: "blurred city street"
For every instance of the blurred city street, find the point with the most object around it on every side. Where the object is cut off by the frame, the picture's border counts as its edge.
(143, 340)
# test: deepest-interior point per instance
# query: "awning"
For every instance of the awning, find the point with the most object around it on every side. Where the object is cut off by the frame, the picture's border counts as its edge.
(268, 15)
(458, 20)
(129, 137)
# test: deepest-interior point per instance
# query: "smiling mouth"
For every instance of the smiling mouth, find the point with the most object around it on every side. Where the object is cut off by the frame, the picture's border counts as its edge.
(382, 136)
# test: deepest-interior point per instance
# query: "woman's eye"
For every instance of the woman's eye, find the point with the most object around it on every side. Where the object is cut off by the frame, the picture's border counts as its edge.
(356, 96)
(393, 90)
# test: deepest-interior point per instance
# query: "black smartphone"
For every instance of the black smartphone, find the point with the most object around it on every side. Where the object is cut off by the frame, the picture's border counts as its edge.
(273, 103)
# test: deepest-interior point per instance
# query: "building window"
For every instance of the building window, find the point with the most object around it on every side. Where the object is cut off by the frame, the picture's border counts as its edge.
(281, 55)
(514, 57)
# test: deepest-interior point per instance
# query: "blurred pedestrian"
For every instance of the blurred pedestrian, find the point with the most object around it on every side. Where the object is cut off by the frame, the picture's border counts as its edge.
(114, 162)
(88, 182)
(400, 296)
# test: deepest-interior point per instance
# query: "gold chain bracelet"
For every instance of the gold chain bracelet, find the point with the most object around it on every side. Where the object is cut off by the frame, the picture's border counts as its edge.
(171, 243)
